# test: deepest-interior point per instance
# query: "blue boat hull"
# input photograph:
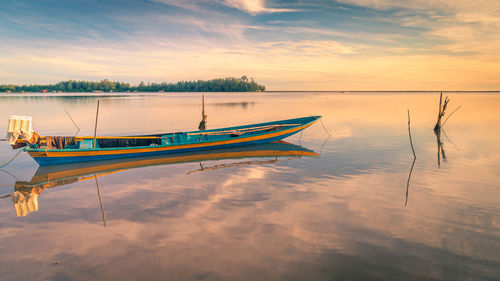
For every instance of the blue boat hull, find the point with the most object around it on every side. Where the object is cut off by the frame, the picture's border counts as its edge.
(51, 157)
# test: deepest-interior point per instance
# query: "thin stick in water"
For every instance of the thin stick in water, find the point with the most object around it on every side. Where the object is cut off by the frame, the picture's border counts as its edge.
(74, 123)
(100, 201)
(414, 159)
(444, 122)
(96, 117)
(408, 181)
(409, 133)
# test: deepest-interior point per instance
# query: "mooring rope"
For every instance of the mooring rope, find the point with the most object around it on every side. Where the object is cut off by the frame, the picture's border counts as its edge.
(7, 185)
(327, 138)
(10, 174)
(6, 162)
(326, 131)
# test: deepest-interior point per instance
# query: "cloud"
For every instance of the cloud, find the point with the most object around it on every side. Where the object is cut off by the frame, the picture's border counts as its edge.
(453, 27)
(424, 4)
(185, 4)
(310, 48)
(280, 65)
(254, 7)
(460, 10)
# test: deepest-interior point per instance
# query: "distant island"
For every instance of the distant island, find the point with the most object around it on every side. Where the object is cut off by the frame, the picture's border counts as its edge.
(229, 84)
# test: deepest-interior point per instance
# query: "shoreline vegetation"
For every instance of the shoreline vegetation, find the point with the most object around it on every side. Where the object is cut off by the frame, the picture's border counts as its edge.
(229, 84)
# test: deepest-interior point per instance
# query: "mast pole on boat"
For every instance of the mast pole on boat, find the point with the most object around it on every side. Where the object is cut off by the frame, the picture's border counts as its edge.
(203, 123)
(96, 117)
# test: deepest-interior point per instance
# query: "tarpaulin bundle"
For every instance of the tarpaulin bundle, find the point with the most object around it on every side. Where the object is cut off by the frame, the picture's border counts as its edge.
(33, 140)
(59, 142)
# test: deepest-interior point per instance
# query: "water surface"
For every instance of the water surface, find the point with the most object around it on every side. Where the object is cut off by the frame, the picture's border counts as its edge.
(344, 215)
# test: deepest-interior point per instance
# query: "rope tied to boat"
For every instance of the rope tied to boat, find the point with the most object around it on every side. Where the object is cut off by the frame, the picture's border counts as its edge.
(327, 138)
(8, 185)
(326, 131)
(6, 162)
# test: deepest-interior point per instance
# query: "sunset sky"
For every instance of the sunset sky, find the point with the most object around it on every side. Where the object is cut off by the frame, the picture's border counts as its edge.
(285, 45)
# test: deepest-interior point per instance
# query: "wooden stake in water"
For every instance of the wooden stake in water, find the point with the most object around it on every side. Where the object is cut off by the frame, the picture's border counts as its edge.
(413, 163)
(203, 104)
(409, 134)
(95, 127)
(203, 123)
(441, 112)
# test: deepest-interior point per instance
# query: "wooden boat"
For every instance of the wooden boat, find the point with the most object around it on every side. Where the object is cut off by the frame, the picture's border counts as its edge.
(112, 147)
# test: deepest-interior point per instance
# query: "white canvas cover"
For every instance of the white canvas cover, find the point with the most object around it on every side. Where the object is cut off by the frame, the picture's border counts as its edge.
(19, 126)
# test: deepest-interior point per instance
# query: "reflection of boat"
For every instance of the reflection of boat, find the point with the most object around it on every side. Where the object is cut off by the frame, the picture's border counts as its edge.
(58, 150)
(26, 193)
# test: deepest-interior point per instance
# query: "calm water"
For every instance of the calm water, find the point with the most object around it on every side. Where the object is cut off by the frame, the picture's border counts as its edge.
(344, 215)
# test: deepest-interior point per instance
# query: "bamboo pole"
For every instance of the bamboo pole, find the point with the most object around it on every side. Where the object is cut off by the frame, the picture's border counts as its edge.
(203, 105)
(96, 118)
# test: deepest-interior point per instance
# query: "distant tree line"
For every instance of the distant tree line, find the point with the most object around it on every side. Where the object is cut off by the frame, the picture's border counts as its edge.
(229, 84)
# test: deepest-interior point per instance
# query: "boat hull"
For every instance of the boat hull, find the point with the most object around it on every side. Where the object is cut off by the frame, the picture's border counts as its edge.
(63, 156)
